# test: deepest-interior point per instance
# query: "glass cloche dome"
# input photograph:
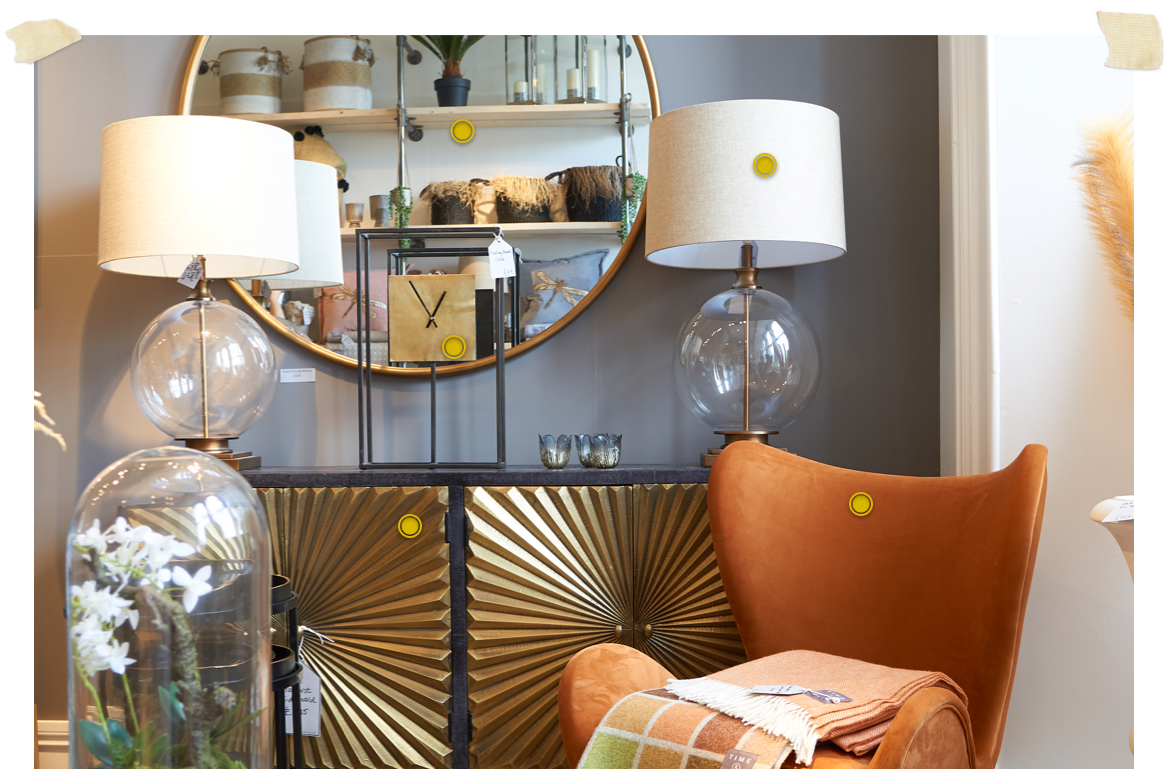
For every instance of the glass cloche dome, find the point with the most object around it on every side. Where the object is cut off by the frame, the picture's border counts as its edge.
(784, 368)
(169, 599)
(167, 374)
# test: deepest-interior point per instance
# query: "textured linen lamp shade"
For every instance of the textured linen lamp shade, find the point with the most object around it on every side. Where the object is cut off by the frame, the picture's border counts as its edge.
(179, 186)
(706, 200)
(320, 249)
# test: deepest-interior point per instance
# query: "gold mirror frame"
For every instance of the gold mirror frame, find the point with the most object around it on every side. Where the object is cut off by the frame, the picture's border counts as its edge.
(185, 105)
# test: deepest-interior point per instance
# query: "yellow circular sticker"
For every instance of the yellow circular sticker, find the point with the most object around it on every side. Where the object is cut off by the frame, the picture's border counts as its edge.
(861, 504)
(409, 526)
(764, 164)
(454, 347)
(462, 131)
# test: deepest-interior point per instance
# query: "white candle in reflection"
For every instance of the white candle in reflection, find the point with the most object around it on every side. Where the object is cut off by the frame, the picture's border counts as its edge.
(574, 79)
(593, 65)
(520, 90)
(542, 85)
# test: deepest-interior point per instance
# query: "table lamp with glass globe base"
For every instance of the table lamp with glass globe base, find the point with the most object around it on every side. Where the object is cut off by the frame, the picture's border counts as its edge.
(219, 193)
(743, 185)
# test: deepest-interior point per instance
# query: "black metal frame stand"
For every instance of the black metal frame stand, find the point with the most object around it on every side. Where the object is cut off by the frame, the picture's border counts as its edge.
(284, 600)
(364, 343)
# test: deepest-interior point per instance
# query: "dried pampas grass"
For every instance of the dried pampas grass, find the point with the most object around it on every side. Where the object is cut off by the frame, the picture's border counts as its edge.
(590, 182)
(1107, 174)
(42, 428)
(459, 190)
(524, 191)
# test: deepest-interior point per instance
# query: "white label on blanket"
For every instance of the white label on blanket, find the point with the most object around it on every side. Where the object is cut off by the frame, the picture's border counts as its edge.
(192, 274)
(1125, 512)
(501, 259)
(781, 690)
(739, 759)
(310, 699)
(834, 696)
(827, 697)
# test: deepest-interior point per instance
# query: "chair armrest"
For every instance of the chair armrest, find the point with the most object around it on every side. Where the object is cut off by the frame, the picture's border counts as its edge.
(931, 731)
(593, 681)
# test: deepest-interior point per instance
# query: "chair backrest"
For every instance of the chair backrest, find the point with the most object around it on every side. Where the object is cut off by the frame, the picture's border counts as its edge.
(934, 577)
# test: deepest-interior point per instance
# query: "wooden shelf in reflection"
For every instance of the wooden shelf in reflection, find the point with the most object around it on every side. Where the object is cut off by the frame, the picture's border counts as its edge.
(611, 229)
(486, 116)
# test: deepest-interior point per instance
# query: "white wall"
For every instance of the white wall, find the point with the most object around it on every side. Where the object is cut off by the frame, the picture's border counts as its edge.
(1066, 382)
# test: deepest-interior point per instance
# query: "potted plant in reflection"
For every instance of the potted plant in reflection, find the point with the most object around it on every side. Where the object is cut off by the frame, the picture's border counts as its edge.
(452, 90)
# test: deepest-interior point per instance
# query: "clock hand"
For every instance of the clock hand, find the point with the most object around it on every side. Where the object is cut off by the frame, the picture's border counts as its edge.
(432, 317)
(422, 304)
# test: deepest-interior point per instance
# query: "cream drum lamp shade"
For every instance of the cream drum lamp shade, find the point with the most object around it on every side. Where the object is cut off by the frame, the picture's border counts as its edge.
(320, 249)
(706, 199)
(179, 186)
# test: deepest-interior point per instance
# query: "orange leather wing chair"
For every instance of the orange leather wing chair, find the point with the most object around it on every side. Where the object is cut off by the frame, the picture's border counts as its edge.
(934, 577)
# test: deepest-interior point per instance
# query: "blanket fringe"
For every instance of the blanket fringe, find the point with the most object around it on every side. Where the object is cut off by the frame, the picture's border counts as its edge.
(775, 715)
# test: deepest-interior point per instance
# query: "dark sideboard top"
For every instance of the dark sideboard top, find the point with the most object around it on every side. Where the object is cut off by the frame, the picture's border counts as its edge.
(515, 475)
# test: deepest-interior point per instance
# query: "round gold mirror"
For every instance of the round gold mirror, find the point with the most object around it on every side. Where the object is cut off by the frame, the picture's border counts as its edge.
(537, 148)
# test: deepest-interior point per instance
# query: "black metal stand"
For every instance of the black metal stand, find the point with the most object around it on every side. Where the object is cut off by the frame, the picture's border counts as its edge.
(287, 672)
(364, 345)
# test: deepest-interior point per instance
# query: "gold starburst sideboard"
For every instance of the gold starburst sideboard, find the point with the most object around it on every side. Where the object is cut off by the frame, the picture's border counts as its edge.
(447, 644)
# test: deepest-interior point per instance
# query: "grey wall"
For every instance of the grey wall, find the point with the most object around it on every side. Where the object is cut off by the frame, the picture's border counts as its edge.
(875, 309)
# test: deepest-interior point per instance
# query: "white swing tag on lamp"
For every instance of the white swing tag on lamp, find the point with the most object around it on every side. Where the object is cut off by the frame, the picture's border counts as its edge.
(192, 274)
(501, 259)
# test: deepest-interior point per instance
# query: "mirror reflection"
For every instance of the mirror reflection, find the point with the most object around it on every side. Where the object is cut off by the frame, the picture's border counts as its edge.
(544, 136)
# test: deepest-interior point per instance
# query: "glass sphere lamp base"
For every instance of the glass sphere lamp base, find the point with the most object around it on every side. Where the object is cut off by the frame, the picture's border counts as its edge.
(203, 372)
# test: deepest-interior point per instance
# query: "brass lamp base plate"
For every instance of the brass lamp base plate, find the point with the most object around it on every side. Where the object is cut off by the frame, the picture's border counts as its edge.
(220, 449)
(243, 460)
(731, 436)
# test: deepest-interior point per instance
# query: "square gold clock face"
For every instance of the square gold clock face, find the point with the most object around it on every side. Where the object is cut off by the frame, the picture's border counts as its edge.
(432, 318)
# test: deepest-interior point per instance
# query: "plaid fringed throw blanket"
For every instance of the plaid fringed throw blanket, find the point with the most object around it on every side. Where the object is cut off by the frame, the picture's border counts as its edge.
(657, 730)
(692, 724)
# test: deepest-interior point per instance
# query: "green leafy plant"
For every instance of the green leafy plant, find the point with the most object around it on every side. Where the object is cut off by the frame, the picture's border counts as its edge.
(401, 199)
(630, 207)
(450, 49)
(112, 745)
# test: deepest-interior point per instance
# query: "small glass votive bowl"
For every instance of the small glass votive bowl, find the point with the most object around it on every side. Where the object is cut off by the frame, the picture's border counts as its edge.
(599, 451)
(354, 213)
(555, 451)
(381, 210)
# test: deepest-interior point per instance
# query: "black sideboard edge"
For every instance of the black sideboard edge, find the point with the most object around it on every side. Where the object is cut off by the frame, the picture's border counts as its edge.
(518, 475)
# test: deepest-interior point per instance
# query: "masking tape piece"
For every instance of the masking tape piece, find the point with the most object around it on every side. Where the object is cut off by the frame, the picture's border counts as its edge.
(37, 39)
(1133, 40)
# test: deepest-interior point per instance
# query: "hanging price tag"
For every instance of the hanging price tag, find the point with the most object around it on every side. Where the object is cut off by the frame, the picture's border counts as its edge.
(1125, 511)
(501, 259)
(192, 274)
(310, 700)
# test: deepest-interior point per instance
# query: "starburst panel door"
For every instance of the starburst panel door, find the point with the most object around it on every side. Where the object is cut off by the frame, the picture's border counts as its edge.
(552, 570)
(375, 582)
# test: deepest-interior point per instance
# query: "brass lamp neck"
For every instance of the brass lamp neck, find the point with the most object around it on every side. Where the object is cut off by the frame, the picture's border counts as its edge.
(202, 291)
(746, 272)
